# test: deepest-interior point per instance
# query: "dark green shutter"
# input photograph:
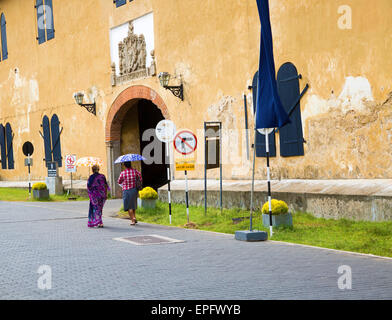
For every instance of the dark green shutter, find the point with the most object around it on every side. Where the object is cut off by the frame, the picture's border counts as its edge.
(3, 148)
(49, 19)
(4, 50)
(10, 152)
(40, 21)
(120, 2)
(56, 146)
(47, 140)
(290, 135)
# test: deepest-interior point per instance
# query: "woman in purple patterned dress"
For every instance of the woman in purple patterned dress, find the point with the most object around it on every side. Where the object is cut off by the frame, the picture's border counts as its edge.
(97, 188)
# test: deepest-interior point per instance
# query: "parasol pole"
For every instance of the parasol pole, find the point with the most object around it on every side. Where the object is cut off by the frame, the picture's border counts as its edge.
(168, 181)
(186, 195)
(253, 183)
(253, 169)
(268, 180)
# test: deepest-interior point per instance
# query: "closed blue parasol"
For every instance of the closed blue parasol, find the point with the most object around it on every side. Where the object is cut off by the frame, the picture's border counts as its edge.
(269, 109)
(129, 158)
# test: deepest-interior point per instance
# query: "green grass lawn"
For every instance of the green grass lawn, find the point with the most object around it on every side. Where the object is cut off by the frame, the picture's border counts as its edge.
(358, 236)
(20, 194)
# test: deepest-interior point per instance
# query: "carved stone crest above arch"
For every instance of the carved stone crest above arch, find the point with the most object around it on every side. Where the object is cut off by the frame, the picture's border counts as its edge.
(132, 56)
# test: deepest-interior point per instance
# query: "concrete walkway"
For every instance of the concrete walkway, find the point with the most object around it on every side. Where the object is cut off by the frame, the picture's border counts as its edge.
(89, 264)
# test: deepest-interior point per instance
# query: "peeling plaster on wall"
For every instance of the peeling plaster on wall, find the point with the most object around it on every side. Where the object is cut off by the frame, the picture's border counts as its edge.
(229, 110)
(34, 90)
(91, 95)
(24, 90)
(245, 167)
(223, 111)
(354, 95)
(352, 142)
(103, 106)
(24, 126)
(21, 94)
(184, 71)
(356, 90)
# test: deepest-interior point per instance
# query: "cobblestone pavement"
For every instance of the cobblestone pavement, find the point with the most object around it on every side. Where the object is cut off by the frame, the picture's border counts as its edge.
(89, 264)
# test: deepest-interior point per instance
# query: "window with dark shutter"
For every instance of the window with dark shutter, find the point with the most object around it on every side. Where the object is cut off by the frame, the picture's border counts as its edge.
(6, 146)
(51, 135)
(9, 137)
(291, 135)
(3, 147)
(39, 5)
(49, 22)
(56, 146)
(45, 20)
(4, 49)
(47, 140)
(120, 3)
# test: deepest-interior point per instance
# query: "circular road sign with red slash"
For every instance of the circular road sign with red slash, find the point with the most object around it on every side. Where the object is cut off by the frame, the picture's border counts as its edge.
(185, 142)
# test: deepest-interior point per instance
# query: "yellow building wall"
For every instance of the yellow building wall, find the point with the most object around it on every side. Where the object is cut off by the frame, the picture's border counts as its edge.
(213, 46)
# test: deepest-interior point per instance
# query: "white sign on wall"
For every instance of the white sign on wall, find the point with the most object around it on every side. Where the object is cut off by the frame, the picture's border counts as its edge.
(70, 163)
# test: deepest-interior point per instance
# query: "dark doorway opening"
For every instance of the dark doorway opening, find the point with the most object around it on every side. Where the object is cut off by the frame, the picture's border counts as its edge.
(154, 174)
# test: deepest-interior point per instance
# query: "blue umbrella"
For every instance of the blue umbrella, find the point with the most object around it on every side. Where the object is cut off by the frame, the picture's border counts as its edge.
(269, 109)
(129, 158)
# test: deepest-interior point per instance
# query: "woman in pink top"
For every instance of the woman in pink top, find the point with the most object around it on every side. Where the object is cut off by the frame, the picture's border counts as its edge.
(127, 180)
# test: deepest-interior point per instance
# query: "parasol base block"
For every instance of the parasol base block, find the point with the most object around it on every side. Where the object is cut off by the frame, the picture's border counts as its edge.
(255, 235)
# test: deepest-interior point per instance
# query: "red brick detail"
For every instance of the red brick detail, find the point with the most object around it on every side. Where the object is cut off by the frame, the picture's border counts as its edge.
(117, 111)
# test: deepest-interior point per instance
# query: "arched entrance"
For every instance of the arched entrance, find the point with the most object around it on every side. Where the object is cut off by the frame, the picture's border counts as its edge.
(135, 110)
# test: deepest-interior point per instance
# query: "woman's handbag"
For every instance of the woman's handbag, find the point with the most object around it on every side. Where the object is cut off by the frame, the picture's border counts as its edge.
(139, 185)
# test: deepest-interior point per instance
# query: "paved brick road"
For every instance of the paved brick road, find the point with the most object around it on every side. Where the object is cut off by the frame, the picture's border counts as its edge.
(88, 264)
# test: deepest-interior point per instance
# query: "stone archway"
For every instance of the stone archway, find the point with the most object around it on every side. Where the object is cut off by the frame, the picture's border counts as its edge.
(114, 122)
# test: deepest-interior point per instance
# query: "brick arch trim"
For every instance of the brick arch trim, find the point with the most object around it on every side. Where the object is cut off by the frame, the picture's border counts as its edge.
(116, 113)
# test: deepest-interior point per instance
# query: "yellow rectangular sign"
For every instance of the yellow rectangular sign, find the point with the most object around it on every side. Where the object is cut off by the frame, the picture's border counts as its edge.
(185, 164)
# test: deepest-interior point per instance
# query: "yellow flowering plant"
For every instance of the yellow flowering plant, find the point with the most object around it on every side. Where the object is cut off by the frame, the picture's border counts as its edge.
(39, 186)
(148, 193)
(277, 207)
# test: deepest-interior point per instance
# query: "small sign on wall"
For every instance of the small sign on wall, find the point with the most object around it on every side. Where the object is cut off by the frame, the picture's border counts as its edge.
(52, 169)
(70, 163)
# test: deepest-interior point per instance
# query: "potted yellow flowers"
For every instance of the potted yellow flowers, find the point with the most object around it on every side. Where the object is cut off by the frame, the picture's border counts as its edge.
(280, 214)
(40, 191)
(147, 198)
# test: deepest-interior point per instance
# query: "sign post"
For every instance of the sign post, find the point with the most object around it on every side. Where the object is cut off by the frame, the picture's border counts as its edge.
(165, 131)
(28, 150)
(70, 166)
(185, 143)
(212, 155)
